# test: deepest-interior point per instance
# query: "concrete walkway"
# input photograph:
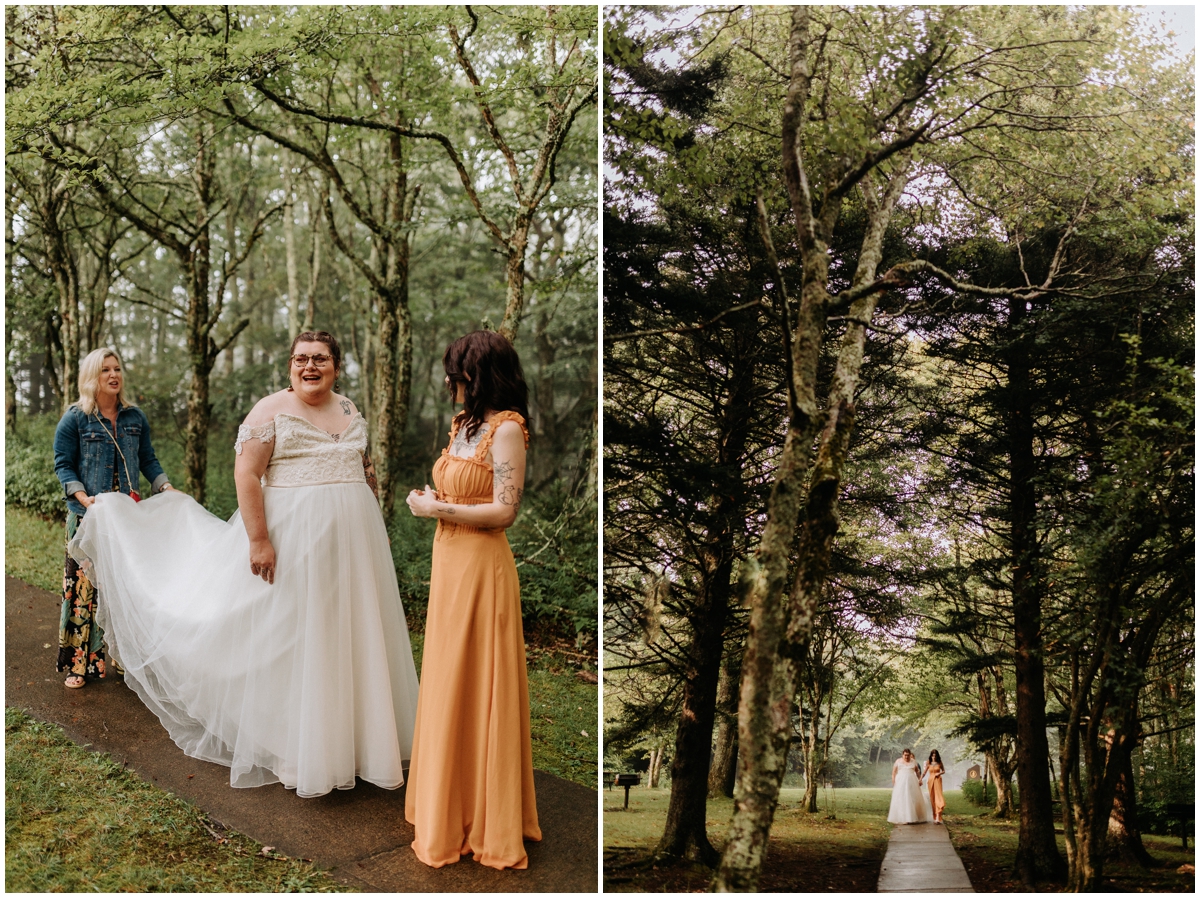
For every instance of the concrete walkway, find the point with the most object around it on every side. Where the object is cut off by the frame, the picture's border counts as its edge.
(920, 858)
(359, 834)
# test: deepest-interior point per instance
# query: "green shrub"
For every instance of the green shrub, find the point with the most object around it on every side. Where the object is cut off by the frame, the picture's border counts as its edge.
(973, 791)
(29, 479)
(554, 543)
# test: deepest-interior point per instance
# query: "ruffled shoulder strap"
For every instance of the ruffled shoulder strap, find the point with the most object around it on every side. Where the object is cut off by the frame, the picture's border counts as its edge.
(455, 426)
(485, 444)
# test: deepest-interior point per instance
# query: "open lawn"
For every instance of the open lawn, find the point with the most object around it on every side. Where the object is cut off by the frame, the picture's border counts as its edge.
(840, 848)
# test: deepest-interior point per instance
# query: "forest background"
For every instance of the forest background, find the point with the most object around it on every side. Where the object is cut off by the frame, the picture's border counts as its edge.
(899, 422)
(195, 185)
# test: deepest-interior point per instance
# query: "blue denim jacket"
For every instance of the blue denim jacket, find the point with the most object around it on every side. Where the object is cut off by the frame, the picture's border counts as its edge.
(85, 457)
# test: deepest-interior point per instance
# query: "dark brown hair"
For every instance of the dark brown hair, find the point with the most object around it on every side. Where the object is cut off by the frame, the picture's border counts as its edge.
(934, 756)
(319, 337)
(496, 382)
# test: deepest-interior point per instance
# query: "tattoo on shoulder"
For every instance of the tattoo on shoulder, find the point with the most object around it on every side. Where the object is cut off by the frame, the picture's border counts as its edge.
(346, 407)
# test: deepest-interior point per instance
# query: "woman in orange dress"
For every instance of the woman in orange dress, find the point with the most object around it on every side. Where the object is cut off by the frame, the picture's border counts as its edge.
(934, 770)
(470, 785)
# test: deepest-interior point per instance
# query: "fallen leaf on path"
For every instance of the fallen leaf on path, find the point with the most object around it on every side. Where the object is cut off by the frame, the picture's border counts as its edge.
(266, 850)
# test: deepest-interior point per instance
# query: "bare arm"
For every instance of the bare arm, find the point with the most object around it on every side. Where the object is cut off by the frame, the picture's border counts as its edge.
(248, 470)
(508, 487)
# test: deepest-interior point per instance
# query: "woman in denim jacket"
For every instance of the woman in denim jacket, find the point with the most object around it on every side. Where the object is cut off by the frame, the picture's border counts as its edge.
(101, 444)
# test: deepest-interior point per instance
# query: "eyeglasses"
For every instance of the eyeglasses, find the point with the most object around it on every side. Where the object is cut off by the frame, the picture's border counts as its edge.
(301, 361)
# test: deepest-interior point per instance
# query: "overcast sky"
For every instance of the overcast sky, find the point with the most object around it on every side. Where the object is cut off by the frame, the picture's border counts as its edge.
(1180, 19)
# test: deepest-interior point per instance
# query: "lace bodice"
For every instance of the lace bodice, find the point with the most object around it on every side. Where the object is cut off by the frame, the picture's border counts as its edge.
(305, 455)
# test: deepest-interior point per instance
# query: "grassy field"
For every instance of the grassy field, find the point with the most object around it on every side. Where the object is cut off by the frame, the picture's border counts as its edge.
(55, 832)
(841, 847)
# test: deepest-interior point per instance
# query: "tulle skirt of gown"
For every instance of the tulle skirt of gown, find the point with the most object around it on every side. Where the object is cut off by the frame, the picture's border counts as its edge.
(308, 681)
(909, 804)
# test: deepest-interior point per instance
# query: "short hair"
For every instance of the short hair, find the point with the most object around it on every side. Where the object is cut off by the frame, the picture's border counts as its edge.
(496, 382)
(89, 379)
(318, 337)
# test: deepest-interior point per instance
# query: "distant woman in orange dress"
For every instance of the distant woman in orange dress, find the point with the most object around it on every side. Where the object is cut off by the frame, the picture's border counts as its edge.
(470, 786)
(933, 772)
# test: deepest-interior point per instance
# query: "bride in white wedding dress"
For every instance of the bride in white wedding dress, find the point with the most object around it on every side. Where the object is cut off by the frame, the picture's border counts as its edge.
(274, 643)
(909, 804)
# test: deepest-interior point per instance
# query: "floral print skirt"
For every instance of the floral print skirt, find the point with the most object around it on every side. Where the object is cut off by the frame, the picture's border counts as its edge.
(80, 639)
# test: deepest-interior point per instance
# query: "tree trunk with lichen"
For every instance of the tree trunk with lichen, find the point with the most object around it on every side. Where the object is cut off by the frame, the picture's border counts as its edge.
(780, 624)
(723, 770)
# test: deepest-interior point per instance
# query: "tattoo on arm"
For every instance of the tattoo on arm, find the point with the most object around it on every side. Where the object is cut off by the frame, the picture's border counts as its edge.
(369, 474)
(346, 407)
(509, 494)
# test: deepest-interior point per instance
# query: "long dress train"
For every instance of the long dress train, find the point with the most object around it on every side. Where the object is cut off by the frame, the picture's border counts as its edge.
(470, 787)
(308, 681)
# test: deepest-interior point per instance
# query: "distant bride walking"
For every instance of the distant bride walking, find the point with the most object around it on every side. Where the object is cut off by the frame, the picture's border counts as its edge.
(909, 804)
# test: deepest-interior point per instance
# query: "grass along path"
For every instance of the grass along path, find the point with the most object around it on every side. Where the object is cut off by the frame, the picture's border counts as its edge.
(76, 821)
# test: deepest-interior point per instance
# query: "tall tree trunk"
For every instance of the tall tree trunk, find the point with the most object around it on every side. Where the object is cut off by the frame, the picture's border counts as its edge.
(1124, 832)
(1037, 853)
(10, 386)
(514, 274)
(1002, 778)
(779, 629)
(723, 771)
(812, 757)
(289, 244)
(685, 833)
(314, 268)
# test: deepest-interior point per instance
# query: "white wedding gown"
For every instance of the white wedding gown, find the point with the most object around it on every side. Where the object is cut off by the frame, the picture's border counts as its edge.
(308, 681)
(909, 802)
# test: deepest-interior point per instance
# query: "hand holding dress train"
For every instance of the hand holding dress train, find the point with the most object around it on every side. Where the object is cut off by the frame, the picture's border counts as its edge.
(307, 680)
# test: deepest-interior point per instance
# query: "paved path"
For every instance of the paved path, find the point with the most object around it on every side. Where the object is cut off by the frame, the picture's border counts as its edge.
(360, 833)
(920, 858)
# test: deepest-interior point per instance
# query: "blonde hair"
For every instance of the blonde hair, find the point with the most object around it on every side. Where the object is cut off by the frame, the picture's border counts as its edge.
(89, 378)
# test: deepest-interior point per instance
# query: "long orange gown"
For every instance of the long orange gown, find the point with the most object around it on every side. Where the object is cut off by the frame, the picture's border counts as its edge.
(937, 799)
(470, 784)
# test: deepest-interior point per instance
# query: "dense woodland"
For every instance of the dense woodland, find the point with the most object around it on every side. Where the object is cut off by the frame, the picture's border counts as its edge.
(899, 415)
(195, 185)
